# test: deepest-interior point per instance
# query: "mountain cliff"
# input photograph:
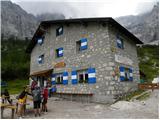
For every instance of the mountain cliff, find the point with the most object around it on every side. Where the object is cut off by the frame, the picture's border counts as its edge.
(16, 22)
(144, 26)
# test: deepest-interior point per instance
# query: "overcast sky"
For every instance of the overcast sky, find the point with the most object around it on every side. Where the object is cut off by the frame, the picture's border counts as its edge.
(87, 8)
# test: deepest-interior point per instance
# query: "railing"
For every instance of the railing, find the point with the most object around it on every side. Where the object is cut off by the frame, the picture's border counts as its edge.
(145, 86)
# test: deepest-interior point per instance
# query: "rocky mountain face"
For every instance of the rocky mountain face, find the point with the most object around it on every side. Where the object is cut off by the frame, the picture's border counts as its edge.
(15, 22)
(144, 26)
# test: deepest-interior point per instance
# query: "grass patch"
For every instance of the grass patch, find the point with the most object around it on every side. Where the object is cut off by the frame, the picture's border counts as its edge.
(15, 86)
(130, 95)
(148, 56)
(143, 97)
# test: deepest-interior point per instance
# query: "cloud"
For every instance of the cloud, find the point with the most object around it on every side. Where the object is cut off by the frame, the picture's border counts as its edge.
(87, 8)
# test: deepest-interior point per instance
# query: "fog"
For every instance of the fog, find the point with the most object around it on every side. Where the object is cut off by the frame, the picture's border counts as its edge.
(86, 8)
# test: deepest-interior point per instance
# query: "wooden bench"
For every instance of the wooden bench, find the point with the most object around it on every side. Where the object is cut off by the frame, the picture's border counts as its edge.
(12, 107)
(78, 94)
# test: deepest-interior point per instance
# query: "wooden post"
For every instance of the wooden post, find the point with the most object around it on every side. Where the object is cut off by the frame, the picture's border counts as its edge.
(12, 116)
(2, 109)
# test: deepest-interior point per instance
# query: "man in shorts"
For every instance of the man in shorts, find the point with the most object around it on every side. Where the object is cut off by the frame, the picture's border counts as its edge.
(36, 100)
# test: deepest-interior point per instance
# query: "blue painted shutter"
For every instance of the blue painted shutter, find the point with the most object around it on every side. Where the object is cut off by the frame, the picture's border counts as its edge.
(60, 52)
(122, 73)
(83, 44)
(130, 74)
(119, 42)
(91, 75)
(65, 78)
(59, 31)
(74, 77)
(40, 40)
(39, 59)
(53, 79)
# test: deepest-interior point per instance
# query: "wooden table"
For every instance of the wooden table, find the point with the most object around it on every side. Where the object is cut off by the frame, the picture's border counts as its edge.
(12, 107)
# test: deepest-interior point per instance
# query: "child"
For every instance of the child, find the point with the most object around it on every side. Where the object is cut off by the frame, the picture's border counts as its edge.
(45, 98)
(22, 101)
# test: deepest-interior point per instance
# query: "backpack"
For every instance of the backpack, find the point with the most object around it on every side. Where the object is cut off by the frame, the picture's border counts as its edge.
(36, 95)
(22, 95)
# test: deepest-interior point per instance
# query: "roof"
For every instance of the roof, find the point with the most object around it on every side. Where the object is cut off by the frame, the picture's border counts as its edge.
(42, 73)
(110, 20)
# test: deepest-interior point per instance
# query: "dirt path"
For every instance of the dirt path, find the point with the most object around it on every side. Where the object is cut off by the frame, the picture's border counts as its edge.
(63, 109)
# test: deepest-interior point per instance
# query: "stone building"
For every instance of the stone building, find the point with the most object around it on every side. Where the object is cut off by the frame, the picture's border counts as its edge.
(86, 59)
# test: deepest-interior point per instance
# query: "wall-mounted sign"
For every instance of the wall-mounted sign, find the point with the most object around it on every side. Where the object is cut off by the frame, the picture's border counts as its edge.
(124, 60)
(60, 65)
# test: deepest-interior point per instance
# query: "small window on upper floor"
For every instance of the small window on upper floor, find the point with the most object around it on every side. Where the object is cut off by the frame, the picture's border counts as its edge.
(81, 44)
(41, 59)
(59, 52)
(40, 40)
(120, 43)
(59, 31)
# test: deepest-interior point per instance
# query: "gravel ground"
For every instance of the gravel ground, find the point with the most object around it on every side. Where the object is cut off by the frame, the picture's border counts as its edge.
(58, 108)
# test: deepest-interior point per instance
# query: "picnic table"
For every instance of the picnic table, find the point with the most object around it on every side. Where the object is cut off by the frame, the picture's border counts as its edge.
(12, 107)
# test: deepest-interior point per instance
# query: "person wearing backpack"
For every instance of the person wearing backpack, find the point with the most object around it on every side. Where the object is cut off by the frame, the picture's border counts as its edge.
(36, 100)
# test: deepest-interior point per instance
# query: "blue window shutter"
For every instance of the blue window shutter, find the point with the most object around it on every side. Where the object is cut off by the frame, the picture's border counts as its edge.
(130, 74)
(59, 31)
(91, 75)
(39, 60)
(60, 52)
(74, 77)
(122, 73)
(65, 78)
(119, 42)
(40, 40)
(53, 79)
(83, 44)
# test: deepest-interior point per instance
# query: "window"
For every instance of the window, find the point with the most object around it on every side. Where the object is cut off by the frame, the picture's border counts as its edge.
(41, 59)
(81, 44)
(83, 76)
(59, 78)
(78, 45)
(120, 43)
(126, 78)
(40, 40)
(59, 31)
(59, 52)
(126, 74)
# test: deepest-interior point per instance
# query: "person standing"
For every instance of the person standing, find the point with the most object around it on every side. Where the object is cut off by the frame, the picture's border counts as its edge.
(33, 84)
(45, 98)
(54, 89)
(7, 96)
(22, 101)
(36, 100)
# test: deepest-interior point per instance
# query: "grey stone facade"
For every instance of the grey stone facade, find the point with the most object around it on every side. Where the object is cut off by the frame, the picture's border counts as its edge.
(100, 54)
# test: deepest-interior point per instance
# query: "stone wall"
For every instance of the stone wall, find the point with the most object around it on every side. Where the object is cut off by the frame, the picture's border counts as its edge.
(129, 52)
(99, 55)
